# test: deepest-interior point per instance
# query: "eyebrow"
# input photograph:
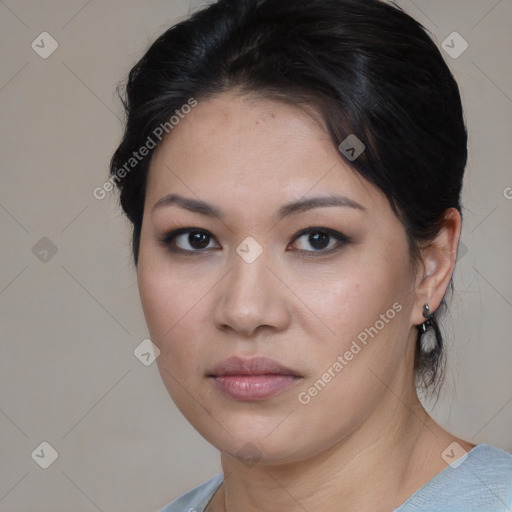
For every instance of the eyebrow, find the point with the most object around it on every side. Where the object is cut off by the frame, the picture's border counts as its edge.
(293, 208)
(193, 205)
(303, 205)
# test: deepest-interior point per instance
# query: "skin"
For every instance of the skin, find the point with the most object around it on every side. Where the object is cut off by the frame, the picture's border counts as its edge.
(364, 442)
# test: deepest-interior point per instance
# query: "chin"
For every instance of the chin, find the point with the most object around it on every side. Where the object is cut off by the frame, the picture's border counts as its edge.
(255, 439)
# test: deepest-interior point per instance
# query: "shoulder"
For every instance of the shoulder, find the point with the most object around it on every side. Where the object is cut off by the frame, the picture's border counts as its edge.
(484, 456)
(481, 481)
(488, 469)
(196, 499)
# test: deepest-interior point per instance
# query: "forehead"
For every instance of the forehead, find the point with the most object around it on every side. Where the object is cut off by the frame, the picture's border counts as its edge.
(245, 149)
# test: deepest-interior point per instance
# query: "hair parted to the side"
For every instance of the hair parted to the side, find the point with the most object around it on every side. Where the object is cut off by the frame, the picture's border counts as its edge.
(365, 67)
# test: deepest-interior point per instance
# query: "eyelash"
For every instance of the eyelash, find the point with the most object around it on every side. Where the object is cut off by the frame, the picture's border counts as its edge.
(168, 239)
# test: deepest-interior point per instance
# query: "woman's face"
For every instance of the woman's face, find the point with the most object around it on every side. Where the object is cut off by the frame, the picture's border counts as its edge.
(293, 257)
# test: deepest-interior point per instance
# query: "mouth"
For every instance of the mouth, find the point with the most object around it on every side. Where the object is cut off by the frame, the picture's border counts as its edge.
(257, 378)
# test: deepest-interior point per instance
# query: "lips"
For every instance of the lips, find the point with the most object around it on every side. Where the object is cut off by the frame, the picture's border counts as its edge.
(257, 378)
(252, 366)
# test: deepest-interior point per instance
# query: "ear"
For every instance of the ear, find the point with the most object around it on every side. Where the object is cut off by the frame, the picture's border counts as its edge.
(438, 265)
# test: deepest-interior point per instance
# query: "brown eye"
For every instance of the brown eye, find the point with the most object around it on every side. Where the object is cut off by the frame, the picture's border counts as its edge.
(320, 240)
(189, 240)
(198, 240)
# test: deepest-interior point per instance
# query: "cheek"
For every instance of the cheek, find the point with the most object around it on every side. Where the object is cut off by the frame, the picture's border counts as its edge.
(366, 309)
(356, 297)
(179, 324)
(176, 317)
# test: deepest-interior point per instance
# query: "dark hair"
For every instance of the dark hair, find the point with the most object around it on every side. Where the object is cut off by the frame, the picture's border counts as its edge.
(366, 67)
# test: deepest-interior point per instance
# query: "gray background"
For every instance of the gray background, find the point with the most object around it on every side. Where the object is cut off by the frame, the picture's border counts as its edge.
(71, 321)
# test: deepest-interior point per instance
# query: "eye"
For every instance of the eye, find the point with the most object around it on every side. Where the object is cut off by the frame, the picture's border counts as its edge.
(319, 240)
(189, 240)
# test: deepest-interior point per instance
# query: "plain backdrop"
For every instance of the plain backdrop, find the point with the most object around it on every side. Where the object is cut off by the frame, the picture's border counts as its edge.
(70, 317)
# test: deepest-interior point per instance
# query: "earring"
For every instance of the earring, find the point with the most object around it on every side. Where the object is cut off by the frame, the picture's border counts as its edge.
(428, 322)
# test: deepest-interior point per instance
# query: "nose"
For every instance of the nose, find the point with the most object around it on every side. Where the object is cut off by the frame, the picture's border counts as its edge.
(250, 299)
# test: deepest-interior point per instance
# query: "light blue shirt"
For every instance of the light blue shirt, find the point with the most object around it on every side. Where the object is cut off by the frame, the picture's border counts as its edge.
(481, 483)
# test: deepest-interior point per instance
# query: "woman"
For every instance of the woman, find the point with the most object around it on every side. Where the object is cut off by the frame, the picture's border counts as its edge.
(293, 173)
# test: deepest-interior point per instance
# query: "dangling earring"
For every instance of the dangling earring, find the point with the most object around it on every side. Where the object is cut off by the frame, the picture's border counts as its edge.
(428, 322)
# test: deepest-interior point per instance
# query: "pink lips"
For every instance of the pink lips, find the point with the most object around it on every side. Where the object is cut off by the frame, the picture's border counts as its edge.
(257, 378)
